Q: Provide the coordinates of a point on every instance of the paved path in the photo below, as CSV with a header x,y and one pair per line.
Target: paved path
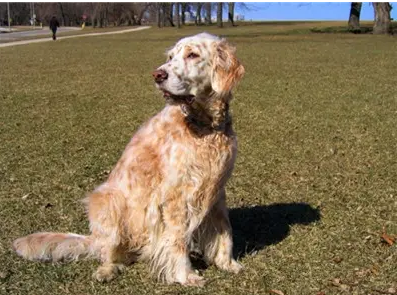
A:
x,y
32,33
65,37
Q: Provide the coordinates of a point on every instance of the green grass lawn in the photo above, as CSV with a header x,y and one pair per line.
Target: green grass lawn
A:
x,y
315,181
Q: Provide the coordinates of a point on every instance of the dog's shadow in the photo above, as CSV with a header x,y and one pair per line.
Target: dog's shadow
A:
x,y
260,226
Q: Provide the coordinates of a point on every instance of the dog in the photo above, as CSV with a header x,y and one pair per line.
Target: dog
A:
x,y
166,195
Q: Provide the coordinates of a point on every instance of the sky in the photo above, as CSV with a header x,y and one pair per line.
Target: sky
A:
x,y
307,11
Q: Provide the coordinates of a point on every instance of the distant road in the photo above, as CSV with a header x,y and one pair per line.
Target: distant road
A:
x,y
48,32
6,37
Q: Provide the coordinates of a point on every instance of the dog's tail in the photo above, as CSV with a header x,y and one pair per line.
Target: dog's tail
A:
x,y
53,247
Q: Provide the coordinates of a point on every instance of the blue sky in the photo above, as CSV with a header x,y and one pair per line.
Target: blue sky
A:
x,y
306,11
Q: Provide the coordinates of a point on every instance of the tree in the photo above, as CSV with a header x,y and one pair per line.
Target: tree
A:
x,y
158,14
197,20
219,15
184,7
178,17
231,12
140,9
170,7
62,13
382,17
19,13
208,13
354,18
163,12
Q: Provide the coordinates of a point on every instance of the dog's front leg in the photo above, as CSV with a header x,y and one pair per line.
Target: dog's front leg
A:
x,y
171,253
215,237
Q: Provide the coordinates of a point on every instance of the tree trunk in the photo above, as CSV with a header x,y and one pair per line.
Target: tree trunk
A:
x,y
163,17
183,16
105,16
382,17
354,18
158,15
198,14
178,16
170,7
208,13
141,14
131,18
231,12
63,14
219,15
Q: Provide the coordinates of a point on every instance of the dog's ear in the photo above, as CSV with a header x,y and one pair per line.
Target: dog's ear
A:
x,y
227,70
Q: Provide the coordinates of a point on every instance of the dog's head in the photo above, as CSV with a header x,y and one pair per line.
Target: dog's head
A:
x,y
197,67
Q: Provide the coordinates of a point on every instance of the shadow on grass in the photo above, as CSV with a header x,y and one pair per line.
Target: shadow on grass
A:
x,y
364,29
342,30
260,226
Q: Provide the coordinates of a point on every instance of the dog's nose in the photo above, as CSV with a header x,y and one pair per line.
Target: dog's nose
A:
x,y
159,76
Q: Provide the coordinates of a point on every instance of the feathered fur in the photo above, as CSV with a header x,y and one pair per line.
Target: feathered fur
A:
x,y
166,194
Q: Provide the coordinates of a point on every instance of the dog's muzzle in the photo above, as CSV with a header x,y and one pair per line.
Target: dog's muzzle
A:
x,y
159,76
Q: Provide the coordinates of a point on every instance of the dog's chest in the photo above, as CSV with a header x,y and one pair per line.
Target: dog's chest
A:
x,y
215,154
208,162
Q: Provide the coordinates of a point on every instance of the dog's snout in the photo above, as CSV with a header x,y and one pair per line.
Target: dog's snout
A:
x,y
159,76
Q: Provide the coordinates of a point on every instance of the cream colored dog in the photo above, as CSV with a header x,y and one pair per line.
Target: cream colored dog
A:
x,y
166,194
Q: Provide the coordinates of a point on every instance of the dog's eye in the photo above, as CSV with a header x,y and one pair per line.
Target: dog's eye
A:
x,y
170,58
192,55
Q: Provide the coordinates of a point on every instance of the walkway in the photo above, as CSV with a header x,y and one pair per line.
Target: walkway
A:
x,y
23,42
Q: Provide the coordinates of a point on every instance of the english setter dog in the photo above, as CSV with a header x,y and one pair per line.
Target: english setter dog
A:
x,y
166,195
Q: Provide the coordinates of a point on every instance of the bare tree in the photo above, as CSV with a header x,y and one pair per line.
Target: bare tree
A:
x,y
208,13
382,17
100,14
70,14
354,18
163,12
62,13
20,13
142,9
158,14
136,11
178,17
230,12
197,20
219,14
45,11
184,7
169,7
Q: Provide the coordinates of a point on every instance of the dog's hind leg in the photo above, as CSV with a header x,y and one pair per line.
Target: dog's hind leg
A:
x,y
106,208
215,237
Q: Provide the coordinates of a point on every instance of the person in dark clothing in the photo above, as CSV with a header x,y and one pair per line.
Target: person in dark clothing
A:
x,y
54,25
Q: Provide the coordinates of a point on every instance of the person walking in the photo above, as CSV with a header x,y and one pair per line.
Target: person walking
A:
x,y
54,25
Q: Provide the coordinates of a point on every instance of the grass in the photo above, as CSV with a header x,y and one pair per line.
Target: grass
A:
x,y
366,27
315,180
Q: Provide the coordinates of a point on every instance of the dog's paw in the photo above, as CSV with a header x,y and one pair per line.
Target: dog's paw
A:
x,y
235,267
231,266
108,272
194,280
